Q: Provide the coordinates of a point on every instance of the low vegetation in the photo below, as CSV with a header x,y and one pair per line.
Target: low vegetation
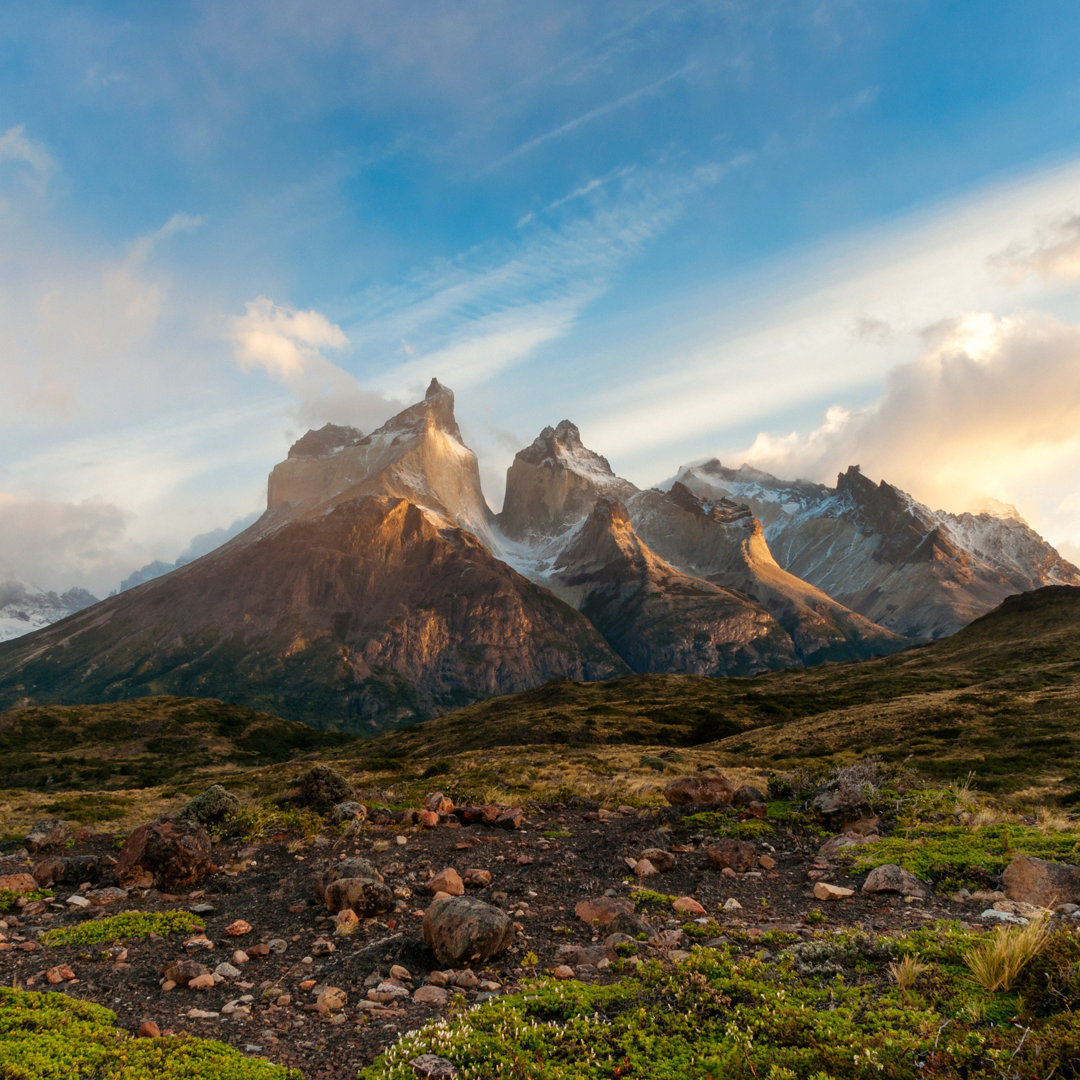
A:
x,y
55,1037
846,1005
128,924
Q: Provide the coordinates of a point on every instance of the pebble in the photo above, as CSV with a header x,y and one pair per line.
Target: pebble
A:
x,y
431,995
227,971
77,901
148,1030
687,905
238,928
333,997
202,1014
201,982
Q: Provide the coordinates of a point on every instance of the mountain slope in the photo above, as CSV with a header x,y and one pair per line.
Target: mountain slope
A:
x,y
360,600
553,486
655,617
878,551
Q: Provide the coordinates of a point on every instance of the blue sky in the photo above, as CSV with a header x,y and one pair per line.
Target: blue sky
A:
x,y
797,233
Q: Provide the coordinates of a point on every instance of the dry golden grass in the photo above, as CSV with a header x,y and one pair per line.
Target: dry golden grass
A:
x,y
996,962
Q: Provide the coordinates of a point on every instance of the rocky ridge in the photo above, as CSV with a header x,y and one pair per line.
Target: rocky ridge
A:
x,y
875,549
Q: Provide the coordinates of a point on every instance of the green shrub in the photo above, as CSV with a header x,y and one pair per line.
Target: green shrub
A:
x,y
9,898
728,826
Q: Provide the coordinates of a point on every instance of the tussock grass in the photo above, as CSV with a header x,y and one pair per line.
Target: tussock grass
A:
x,y
995,963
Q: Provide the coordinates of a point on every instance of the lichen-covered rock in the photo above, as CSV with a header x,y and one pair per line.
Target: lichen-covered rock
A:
x,y
323,786
840,806
349,811
365,897
602,910
464,930
50,834
212,805
174,852
700,791
67,870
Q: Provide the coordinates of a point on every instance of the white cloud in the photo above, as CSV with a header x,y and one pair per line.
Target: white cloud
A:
x,y
287,345
17,147
283,341
57,545
1052,252
991,407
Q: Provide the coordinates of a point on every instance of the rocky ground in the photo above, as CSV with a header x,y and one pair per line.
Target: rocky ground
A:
x,y
283,981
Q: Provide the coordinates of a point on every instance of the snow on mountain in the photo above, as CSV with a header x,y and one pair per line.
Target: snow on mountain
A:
x,y
873,547
25,607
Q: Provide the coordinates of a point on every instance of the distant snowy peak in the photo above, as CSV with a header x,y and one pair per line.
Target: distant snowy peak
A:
x,y
25,607
875,548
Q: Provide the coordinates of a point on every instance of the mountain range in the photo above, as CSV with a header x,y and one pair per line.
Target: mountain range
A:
x,y
379,588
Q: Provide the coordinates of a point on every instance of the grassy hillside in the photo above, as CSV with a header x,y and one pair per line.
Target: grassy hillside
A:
x,y
1001,697
144,742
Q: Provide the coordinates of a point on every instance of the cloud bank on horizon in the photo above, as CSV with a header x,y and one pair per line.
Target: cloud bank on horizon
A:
x,y
802,234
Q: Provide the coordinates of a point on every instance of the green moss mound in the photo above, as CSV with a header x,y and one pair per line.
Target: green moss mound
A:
x,y
826,1009
54,1037
127,924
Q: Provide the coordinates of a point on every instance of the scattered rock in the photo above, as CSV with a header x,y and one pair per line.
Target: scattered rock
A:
x,y
602,911
687,905
77,900
67,870
109,895
840,805
476,878
438,803
365,898
332,998
47,835
1037,881
824,891
462,929
431,995
181,972
746,795
835,844
433,1067
202,982
562,971
643,868
446,881
700,791
60,973
731,904
238,928
148,1030
18,883
739,855
890,878
663,860
349,811
766,862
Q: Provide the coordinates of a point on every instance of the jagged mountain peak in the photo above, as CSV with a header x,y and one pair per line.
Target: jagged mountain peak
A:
x,y
554,483
418,454
328,439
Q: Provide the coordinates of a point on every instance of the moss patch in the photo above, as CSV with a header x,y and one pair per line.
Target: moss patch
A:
x,y
128,924
54,1037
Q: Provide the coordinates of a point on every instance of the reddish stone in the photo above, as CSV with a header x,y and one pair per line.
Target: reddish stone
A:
x,y
700,791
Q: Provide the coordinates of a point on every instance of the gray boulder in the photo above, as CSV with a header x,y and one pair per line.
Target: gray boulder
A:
x,y
463,930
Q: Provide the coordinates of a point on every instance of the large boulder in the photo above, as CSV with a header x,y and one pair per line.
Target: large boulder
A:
x,y
464,930
700,791
212,805
841,806
1045,884
171,853
890,878
322,786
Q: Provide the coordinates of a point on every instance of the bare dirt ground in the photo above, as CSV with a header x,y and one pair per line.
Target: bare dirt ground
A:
x,y
562,855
